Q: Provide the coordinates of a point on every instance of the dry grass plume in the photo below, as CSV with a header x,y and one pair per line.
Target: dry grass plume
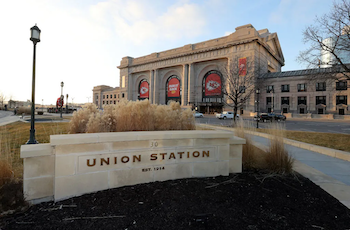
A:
x,y
132,116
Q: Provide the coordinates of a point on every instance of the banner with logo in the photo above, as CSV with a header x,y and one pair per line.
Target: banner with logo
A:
x,y
144,89
59,102
174,87
213,85
242,65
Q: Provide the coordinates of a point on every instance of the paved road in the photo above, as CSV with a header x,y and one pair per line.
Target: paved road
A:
x,y
7,118
332,126
5,113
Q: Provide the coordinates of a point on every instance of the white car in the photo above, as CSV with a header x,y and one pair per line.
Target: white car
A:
x,y
226,115
198,114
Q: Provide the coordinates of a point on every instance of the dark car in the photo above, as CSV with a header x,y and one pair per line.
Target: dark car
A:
x,y
280,117
266,117
272,117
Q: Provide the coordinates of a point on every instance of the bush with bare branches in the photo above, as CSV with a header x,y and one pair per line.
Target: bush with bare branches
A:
x,y
25,110
132,116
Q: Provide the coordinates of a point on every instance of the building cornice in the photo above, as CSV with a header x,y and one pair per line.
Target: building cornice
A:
x,y
183,54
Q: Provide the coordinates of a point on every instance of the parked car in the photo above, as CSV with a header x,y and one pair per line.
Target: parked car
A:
x,y
198,114
280,117
271,117
266,117
226,115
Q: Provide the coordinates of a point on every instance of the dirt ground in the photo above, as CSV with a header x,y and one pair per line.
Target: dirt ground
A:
x,y
250,200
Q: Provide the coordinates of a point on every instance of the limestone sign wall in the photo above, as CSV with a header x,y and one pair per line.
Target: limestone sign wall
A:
x,y
71,165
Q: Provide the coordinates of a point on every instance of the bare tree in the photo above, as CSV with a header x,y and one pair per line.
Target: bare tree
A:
x,y
329,40
2,100
239,79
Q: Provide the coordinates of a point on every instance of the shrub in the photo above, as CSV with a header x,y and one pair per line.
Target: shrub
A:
x,y
80,119
274,159
6,173
132,116
250,158
25,110
277,158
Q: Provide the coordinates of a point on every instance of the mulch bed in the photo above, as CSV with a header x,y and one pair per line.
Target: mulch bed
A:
x,y
250,200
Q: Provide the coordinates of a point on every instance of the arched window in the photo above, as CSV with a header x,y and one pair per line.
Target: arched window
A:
x,y
173,86
143,90
212,87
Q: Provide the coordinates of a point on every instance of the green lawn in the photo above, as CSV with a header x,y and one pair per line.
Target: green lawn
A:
x,y
14,135
329,140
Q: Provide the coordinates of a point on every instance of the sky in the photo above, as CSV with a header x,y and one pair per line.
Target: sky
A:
x,y
83,41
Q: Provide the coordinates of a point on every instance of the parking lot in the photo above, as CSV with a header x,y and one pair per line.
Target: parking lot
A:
x,y
312,125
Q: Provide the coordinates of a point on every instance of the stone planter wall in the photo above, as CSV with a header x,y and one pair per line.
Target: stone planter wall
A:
x,y
71,165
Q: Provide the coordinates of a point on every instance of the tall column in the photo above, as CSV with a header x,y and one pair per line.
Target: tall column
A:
x,y
229,72
100,100
151,87
156,87
130,87
184,81
191,82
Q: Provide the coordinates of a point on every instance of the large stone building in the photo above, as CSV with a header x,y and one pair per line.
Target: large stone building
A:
x,y
186,74
179,74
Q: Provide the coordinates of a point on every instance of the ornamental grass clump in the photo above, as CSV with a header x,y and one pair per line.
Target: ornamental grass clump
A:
x,y
6,173
277,158
80,119
25,110
132,116
250,157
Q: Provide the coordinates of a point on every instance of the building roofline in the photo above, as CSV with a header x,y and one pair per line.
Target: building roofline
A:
x,y
304,72
236,38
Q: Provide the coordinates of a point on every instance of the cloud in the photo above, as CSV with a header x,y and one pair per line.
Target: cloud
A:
x,y
138,22
228,33
82,41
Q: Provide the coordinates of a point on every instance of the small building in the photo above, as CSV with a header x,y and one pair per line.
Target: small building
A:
x,y
294,92
105,95
13,104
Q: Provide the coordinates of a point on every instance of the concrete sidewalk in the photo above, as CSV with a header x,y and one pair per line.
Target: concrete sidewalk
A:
x,y
330,173
9,119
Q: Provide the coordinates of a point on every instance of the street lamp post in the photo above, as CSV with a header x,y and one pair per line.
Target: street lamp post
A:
x,y
62,84
42,105
35,38
67,103
257,91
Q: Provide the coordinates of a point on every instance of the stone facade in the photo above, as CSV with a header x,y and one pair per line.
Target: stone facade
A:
x,y
105,95
71,165
190,64
294,92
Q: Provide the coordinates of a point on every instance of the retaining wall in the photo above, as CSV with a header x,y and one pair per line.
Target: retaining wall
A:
x,y
71,165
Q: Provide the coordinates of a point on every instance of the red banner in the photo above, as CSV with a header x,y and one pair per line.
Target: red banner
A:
x,y
59,102
213,85
144,89
174,88
242,65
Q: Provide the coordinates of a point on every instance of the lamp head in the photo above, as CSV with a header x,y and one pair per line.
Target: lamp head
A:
x,y
35,34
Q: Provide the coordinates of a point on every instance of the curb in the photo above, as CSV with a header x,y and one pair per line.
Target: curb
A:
x,y
343,155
